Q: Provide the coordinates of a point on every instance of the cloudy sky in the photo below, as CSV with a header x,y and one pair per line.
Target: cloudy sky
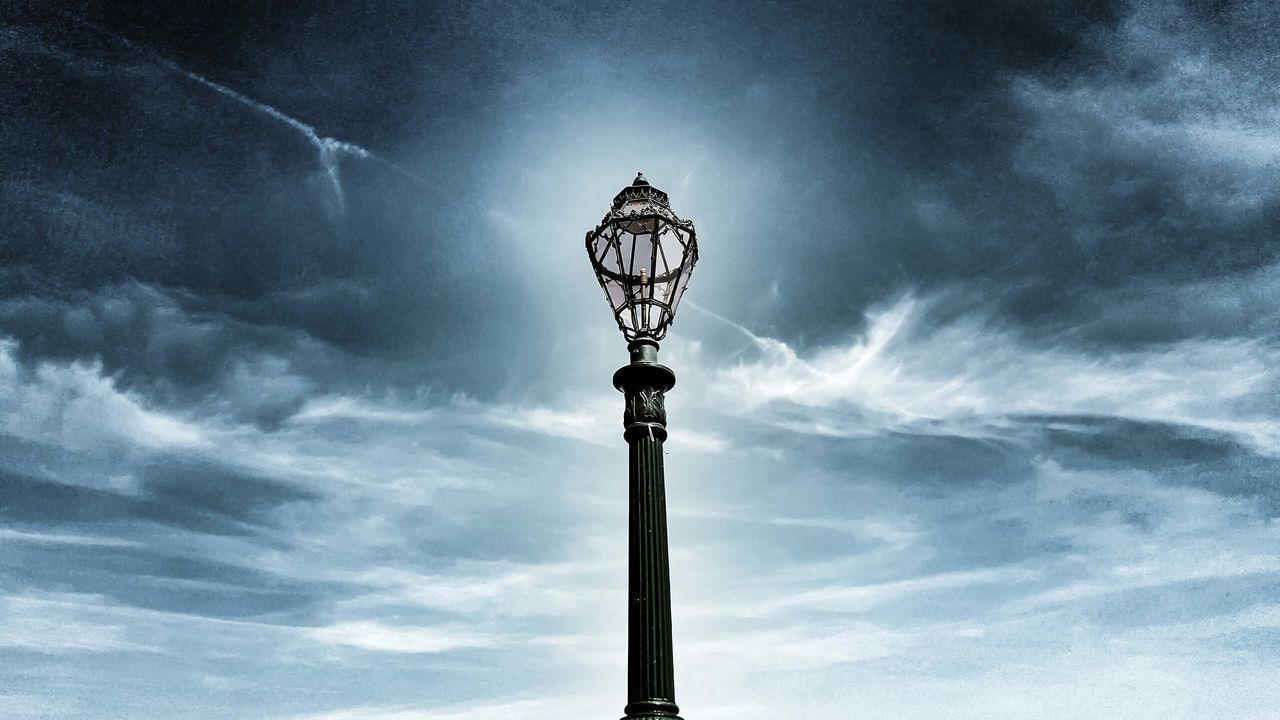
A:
x,y
305,402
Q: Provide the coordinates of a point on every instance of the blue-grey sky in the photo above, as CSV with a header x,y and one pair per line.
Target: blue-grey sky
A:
x,y
305,402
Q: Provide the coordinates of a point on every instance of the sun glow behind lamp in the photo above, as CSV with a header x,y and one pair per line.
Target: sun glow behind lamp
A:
x,y
643,254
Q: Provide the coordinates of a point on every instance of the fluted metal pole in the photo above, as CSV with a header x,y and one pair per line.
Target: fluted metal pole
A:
x,y
650,672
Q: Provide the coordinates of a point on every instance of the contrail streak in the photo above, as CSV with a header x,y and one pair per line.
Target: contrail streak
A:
x,y
689,175
330,150
764,344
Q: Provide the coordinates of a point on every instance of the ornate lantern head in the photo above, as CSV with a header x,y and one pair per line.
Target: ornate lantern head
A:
x,y
643,255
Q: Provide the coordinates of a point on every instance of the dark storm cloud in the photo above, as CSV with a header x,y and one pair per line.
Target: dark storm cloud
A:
x,y
240,213
896,146
125,169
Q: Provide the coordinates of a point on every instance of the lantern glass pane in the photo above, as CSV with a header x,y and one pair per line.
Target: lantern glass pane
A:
x,y
681,283
672,245
681,236
614,292
662,292
642,265
602,251
630,317
637,252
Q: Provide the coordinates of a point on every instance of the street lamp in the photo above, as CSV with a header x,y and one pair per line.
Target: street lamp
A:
x,y
643,255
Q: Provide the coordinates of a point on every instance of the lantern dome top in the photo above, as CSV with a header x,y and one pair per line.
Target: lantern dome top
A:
x,y
640,190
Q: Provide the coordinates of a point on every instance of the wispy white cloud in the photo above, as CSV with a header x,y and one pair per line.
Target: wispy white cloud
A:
x,y
329,408
378,637
57,626
488,590
81,409
798,648
893,530
862,597
39,707
590,420
584,422
508,709
65,539
910,373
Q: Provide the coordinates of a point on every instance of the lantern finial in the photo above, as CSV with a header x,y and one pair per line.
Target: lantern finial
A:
x,y
639,179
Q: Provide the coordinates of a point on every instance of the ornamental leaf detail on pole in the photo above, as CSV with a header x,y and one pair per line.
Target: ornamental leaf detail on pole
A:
x,y
651,408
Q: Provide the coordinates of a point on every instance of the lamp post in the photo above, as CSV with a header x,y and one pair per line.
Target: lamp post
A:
x,y
642,255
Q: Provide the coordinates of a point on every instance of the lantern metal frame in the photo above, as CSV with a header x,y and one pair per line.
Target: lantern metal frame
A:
x,y
642,211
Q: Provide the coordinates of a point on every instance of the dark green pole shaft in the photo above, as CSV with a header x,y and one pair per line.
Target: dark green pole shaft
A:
x,y
650,672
